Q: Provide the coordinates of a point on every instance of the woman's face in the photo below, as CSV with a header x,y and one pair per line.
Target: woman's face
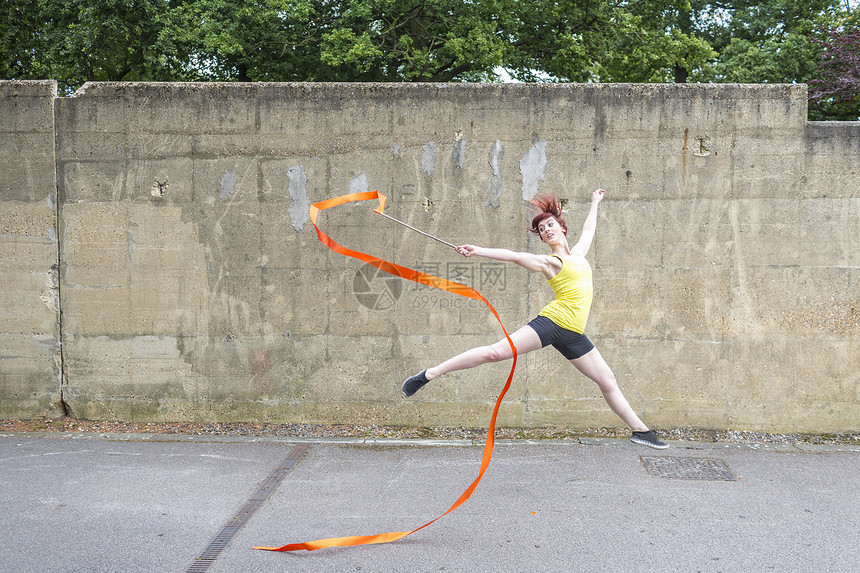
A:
x,y
550,230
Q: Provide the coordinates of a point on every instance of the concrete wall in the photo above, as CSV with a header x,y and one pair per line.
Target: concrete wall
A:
x,y
30,360
193,287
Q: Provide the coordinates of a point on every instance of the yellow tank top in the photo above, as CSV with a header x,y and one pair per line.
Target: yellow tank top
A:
x,y
573,293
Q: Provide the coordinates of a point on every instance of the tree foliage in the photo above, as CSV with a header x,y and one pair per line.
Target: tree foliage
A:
x,y
769,42
657,41
416,40
835,91
238,40
78,40
422,40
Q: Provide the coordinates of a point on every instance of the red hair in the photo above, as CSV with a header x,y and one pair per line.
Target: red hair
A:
x,y
546,206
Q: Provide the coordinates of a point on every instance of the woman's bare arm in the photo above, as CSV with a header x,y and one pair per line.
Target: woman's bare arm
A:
x,y
583,245
533,262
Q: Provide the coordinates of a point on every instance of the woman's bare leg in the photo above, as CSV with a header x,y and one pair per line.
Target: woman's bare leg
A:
x,y
595,367
525,340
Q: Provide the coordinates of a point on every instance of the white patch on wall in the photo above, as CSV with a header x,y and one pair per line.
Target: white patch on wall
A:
x,y
300,207
359,184
228,181
458,153
532,168
494,189
50,295
428,160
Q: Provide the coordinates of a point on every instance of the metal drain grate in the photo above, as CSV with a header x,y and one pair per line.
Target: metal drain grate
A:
x,y
223,538
706,469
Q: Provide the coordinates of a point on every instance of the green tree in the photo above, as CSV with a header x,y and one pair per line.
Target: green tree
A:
x,y
670,40
558,39
19,23
751,41
308,40
342,40
767,42
417,40
239,40
74,41
657,41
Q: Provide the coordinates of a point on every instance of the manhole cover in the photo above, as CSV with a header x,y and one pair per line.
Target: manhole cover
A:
x,y
688,468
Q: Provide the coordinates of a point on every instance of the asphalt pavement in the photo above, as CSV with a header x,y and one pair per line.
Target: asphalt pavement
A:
x,y
150,503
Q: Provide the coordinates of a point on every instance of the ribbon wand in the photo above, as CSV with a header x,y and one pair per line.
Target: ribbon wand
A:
x,y
424,279
414,229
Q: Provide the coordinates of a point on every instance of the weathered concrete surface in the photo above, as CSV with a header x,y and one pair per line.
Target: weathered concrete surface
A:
x,y
142,503
30,362
193,286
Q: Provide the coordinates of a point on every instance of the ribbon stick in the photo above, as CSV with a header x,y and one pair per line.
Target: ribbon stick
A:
x,y
414,229
425,279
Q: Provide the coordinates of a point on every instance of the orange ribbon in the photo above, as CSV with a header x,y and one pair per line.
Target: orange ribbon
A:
x,y
426,279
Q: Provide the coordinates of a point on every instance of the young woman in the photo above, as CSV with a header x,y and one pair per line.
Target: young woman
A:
x,y
561,322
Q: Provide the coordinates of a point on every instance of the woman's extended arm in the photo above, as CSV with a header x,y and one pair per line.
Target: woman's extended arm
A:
x,y
583,245
530,261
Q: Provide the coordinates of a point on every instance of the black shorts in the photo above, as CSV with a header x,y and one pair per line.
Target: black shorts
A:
x,y
571,344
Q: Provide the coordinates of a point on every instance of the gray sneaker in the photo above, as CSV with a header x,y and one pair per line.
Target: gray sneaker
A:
x,y
649,439
414,383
